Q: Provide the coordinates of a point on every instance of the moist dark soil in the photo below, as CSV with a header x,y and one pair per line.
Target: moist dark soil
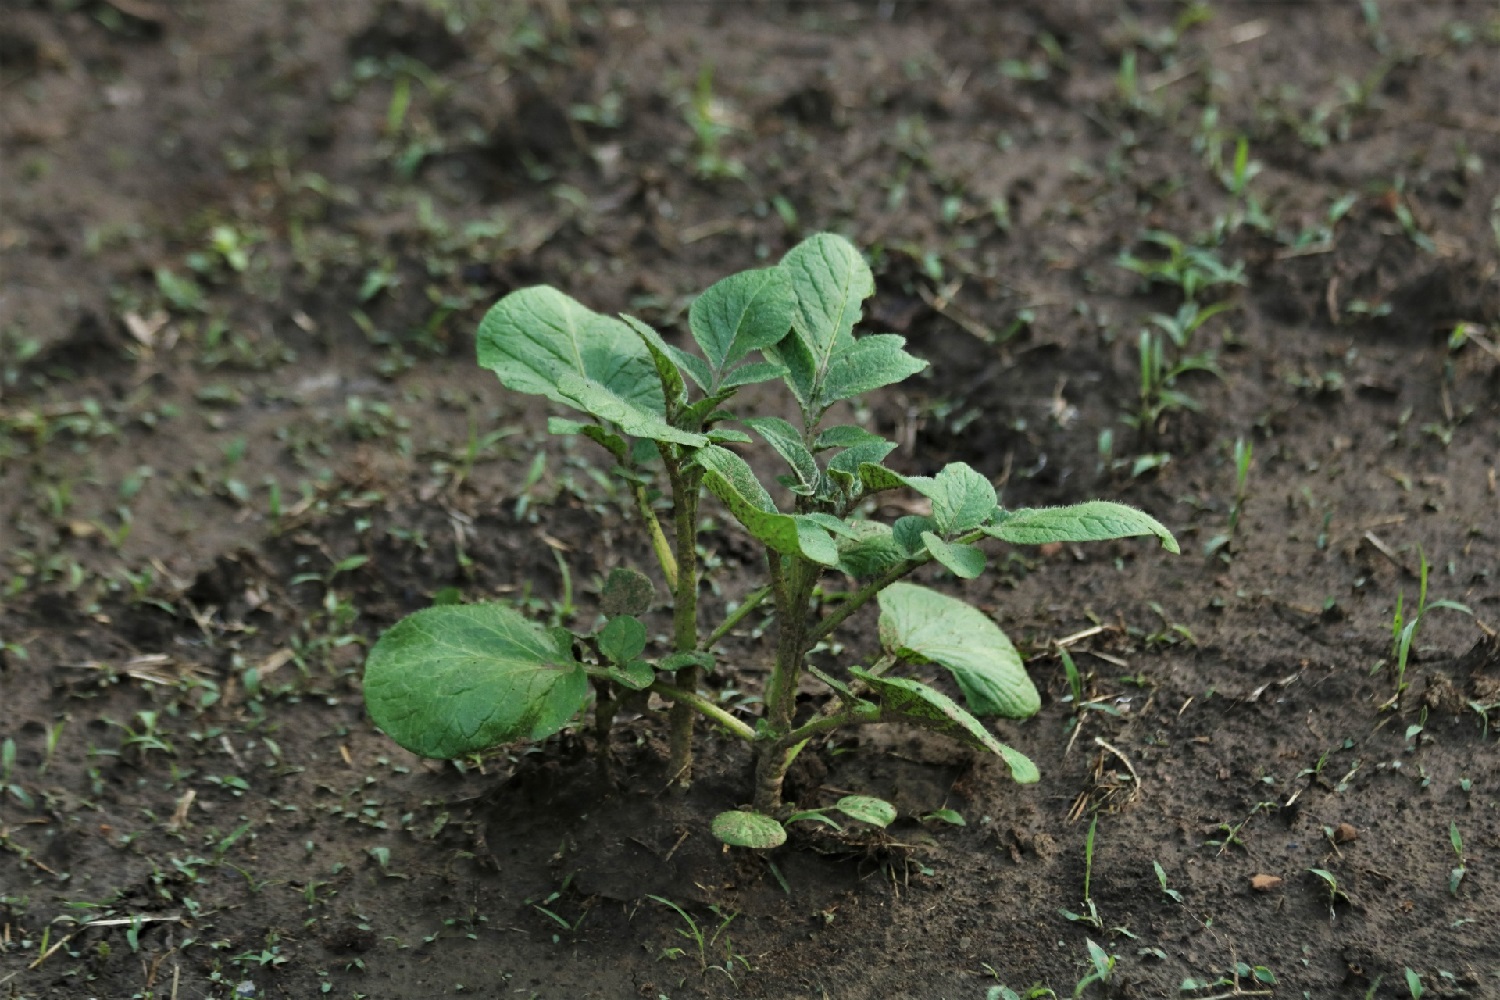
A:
x,y
245,248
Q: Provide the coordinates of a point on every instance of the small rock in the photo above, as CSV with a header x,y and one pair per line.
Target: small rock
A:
x,y
1265,883
1345,833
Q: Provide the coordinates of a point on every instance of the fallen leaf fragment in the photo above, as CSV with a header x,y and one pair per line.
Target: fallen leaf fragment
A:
x,y
1265,883
1345,833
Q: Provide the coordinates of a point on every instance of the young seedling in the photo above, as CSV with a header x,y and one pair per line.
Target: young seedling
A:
x,y
1456,876
459,679
703,941
1243,454
1331,883
1103,967
1404,633
1091,917
1161,878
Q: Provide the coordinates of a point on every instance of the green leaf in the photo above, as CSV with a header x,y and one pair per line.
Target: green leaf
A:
x,y
928,627
672,385
830,279
1094,521
728,435
626,592
748,829
950,816
696,368
637,675
787,442
867,809
868,549
462,678
865,364
875,477
844,436
835,526
919,705
742,313
728,477
814,815
800,366
749,374
693,658
963,561
622,639
844,468
534,336
908,531
962,499
595,398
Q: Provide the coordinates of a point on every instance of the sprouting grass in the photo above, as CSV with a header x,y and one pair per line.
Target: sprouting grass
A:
x,y
1091,914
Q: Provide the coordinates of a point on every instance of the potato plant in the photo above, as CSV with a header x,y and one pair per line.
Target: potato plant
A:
x,y
458,679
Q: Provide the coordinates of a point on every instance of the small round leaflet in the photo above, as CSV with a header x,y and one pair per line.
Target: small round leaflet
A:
x,y
748,829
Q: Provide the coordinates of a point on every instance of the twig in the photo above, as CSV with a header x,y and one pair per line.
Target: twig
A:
x,y
1136,778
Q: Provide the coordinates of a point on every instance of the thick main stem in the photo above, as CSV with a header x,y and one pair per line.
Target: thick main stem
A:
x,y
684,616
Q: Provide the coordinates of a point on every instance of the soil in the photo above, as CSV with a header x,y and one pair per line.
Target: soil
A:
x,y
245,247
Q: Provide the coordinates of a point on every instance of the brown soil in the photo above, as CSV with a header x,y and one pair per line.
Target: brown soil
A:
x,y
245,247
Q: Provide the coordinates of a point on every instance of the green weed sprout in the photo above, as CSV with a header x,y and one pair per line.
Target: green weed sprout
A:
x,y
457,679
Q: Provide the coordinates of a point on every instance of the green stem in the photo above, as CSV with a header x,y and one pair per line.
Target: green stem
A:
x,y
861,597
697,703
775,759
860,715
792,641
684,614
752,600
658,538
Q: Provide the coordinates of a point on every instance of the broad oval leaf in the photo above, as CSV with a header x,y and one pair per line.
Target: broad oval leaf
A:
x,y
742,313
868,549
622,639
751,373
916,704
928,627
534,336
867,809
748,829
728,477
627,591
462,678
962,499
787,442
672,385
597,399
865,364
830,279
962,560
1094,521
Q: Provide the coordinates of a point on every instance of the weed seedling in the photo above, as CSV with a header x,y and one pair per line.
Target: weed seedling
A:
x,y
1091,917
1161,878
1404,633
1456,876
703,942
1243,453
458,679
1335,894
1103,967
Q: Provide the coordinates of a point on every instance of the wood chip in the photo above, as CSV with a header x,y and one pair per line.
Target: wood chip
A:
x,y
1265,883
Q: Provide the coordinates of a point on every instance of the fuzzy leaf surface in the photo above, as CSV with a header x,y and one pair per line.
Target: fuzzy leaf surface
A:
x,y
867,809
742,313
596,398
919,705
830,280
962,560
534,336
867,363
748,829
728,477
928,627
868,550
462,678
622,639
1094,521
786,440
662,359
